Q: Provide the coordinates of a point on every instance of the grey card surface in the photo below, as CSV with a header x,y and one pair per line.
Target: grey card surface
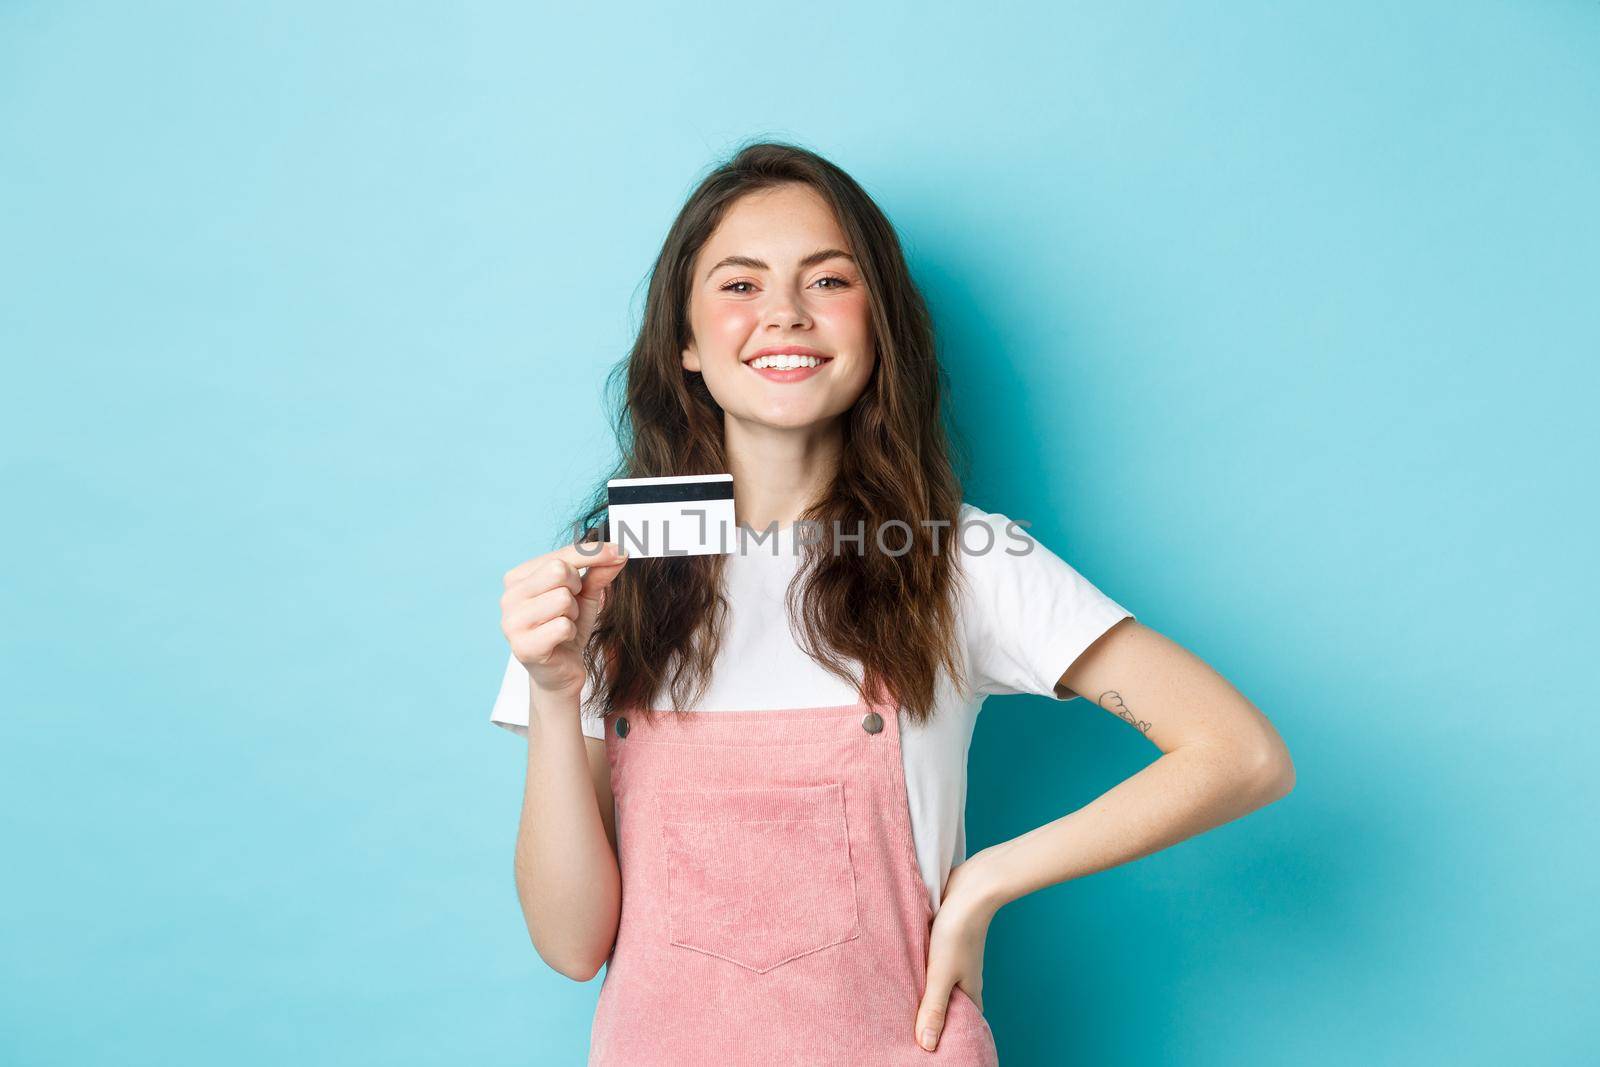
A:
x,y
690,515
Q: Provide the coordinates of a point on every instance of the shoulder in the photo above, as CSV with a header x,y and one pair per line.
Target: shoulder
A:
x,y
990,547
998,554
1025,611
980,531
988,576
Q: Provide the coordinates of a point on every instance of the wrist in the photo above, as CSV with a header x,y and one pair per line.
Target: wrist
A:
x,y
545,706
987,887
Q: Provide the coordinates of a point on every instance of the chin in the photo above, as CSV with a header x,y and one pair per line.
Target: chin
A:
x,y
786,420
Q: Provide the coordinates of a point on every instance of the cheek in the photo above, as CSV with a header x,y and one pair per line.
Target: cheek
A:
x,y
730,322
846,319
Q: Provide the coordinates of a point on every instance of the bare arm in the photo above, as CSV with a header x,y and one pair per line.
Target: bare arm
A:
x,y
1220,759
568,881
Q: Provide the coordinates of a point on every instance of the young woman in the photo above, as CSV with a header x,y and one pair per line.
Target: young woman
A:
x,y
747,772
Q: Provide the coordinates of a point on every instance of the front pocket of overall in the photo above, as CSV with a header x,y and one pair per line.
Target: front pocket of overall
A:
x,y
758,877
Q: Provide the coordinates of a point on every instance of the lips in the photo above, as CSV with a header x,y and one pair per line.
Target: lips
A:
x,y
786,375
786,350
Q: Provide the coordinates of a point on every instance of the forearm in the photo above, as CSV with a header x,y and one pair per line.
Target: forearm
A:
x,y
1182,793
566,872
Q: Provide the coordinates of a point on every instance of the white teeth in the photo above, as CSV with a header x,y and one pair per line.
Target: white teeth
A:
x,y
784,362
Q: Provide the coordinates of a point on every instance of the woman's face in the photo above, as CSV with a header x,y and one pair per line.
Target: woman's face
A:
x,y
777,275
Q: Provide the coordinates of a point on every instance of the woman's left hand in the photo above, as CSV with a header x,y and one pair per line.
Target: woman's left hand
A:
x,y
955,949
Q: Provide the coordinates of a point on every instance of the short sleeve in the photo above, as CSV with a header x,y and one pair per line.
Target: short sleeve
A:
x,y
511,704
1028,614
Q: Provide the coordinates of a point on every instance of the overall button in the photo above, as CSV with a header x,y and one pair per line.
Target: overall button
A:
x,y
872,722
622,726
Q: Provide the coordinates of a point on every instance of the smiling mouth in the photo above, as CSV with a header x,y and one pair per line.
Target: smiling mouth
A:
x,y
788,368
786,362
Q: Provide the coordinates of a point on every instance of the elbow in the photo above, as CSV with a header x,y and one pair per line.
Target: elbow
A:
x,y
584,973
1261,770
575,968
1269,771
569,958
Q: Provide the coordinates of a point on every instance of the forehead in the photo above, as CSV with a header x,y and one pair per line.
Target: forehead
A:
x,y
781,223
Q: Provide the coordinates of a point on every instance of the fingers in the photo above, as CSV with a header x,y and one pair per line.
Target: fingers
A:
x,y
574,556
536,627
554,569
538,644
547,603
550,574
550,604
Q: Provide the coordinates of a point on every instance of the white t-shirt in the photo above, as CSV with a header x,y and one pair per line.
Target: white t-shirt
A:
x,y
1024,616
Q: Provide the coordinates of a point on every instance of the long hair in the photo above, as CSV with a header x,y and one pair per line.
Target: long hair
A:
x,y
661,620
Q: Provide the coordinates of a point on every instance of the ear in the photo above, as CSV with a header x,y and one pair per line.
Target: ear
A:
x,y
691,358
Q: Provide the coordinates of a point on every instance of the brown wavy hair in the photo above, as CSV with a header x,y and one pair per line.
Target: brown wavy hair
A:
x,y
893,615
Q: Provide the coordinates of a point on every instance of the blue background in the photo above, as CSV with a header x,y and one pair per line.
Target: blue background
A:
x,y
1278,321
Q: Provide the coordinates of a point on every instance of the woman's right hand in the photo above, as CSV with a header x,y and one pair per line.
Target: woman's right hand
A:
x,y
548,610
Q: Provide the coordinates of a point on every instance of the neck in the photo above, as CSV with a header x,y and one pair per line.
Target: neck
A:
x,y
777,472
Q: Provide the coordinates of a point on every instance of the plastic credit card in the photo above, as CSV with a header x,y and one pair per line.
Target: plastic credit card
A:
x,y
689,515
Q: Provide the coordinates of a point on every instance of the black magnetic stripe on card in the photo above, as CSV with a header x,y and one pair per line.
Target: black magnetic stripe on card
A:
x,y
617,495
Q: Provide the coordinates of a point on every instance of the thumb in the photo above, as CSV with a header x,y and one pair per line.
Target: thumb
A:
x,y
930,1015
596,578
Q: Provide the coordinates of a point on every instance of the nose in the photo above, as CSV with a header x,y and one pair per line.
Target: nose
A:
x,y
785,311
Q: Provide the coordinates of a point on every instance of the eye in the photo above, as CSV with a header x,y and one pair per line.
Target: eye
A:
x,y
733,287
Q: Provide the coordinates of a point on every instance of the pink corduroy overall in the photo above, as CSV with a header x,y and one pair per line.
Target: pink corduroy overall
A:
x,y
773,913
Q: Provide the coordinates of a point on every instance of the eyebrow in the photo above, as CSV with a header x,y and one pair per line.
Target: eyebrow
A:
x,y
752,263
